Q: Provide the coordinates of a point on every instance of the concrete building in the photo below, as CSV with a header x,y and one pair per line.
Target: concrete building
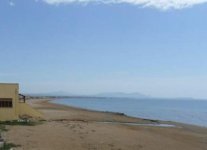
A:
x,y
13,105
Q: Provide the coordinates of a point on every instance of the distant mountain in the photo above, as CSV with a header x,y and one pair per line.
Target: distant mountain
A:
x,y
122,95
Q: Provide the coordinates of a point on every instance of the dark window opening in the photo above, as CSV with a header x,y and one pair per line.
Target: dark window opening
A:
x,y
6,103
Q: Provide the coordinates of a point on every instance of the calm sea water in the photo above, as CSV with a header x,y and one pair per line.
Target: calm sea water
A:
x,y
184,111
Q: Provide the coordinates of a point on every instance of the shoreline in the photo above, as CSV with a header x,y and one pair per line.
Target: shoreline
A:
x,y
67,127
49,103
175,123
118,116
150,122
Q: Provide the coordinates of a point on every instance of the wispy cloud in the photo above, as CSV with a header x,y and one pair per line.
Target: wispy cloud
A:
x,y
160,4
12,4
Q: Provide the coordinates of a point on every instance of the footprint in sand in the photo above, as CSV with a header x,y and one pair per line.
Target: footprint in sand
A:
x,y
111,145
140,146
82,137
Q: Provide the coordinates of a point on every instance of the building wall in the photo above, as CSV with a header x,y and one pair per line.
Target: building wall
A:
x,y
9,91
18,109
26,110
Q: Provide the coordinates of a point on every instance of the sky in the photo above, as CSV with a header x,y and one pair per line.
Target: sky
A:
x,y
155,47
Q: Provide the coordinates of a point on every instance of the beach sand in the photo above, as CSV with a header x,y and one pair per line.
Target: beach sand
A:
x,y
69,128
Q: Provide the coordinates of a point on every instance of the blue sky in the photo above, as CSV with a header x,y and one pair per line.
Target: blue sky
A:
x,y
93,47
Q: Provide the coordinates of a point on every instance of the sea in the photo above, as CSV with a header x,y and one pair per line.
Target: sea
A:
x,y
184,111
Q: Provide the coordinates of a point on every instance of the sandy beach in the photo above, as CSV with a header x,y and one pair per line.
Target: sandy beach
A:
x,y
69,128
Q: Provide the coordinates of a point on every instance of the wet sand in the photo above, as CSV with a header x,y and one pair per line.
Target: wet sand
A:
x,y
69,128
